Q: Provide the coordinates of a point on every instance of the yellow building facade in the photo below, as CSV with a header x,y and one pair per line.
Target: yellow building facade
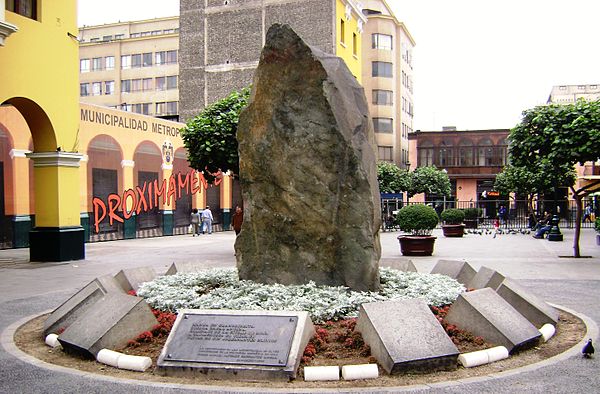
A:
x,y
349,26
133,178
47,30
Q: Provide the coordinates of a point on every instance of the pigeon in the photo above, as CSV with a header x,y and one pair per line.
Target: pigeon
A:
x,y
588,349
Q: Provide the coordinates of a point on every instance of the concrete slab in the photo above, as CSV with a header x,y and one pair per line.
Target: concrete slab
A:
x,y
486,277
245,345
400,264
536,310
456,269
75,306
484,313
185,267
405,336
132,278
110,323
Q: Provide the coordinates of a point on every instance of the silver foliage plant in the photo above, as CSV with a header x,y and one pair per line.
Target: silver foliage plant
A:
x,y
221,289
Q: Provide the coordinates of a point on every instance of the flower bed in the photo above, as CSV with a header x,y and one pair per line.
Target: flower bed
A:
x,y
221,289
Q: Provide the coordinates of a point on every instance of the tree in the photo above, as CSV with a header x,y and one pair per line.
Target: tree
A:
x,y
210,137
556,137
529,181
428,180
391,178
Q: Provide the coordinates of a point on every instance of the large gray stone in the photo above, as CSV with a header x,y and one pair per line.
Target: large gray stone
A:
x,y
484,313
486,277
307,171
404,336
68,312
400,264
109,324
456,269
245,345
536,310
132,278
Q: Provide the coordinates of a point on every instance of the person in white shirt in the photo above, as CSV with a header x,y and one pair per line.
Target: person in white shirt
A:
x,y
207,219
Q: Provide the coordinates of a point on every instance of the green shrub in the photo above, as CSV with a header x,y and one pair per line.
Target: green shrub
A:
x,y
418,219
472,213
453,216
597,224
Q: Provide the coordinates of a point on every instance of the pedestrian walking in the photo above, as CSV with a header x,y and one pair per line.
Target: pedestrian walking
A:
x,y
195,222
237,219
207,219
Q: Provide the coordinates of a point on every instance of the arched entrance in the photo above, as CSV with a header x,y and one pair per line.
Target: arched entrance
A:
x,y
148,171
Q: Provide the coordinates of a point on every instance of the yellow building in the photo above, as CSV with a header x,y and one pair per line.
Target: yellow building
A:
x,y
133,178
46,30
349,31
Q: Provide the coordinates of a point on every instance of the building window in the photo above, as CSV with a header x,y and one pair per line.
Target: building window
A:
x,y
385,153
172,82
84,89
136,60
106,38
125,62
26,8
354,44
147,84
96,88
381,41
382,69
84,65
135,35
342,32
383,125
165,57
160,83
425,154
126,107
142,108
125,85
383,97
147,59
109,87
136,85
168,31
97,64
119,36
109,63
167,108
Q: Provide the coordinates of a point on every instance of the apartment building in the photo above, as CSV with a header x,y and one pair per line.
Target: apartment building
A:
x,y
132,66
388,80
221,41
564,94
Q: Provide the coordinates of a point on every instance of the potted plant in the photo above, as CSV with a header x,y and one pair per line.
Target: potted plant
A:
x,y
453,222
471,217
418,220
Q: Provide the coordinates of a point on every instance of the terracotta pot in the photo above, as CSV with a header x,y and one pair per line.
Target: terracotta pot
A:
x,y
453,230
413,245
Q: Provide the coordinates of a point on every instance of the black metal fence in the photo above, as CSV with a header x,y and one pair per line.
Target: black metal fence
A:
x,y
517,214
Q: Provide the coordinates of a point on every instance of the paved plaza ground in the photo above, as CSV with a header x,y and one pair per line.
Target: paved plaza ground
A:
x,y
542,266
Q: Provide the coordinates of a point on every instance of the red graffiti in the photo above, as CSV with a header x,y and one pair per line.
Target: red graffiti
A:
x,y
147,197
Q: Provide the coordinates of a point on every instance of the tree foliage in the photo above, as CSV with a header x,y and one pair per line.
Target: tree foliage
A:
x,y
428,180
210,137
551,139
532,180
391,178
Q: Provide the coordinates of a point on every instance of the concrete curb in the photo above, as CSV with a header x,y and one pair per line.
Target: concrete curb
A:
x,y
7,342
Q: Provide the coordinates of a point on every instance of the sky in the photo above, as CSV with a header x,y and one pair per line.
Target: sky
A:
x,y
477,64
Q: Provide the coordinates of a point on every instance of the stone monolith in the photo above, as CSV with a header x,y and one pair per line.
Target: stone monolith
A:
x,y
307,171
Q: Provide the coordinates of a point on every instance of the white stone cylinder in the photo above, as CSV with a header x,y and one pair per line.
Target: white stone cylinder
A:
x,y
109,357
497,353
322,373
52,340
474,359
547,331
360,371
134,363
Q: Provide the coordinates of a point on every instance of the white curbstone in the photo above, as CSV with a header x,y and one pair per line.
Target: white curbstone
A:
x,y
108,357
134,363
547,331
52,340
474,359
321,373
497,353
360,371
